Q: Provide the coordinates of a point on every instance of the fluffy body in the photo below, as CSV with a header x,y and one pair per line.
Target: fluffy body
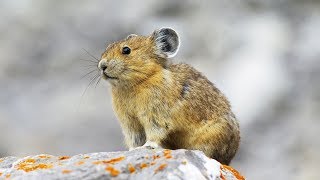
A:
x,y
168,105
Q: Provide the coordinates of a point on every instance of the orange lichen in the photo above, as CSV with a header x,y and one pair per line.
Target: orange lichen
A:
x,y
113,172
66,171
1,160
147,157
222,177
8,176
31,167
86,157
114,160
143,165
96,162
1,174
80,163
64,157
30,161
152,163
234,172
161,167
167,153
131,168
111,161
156,157
44,156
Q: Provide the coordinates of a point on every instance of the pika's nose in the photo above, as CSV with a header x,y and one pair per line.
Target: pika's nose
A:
x,y
102,66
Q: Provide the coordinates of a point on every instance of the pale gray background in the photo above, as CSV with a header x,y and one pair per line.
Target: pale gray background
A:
x,y
263,54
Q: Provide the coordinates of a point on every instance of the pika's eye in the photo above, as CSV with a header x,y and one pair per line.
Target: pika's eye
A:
x,y
126,50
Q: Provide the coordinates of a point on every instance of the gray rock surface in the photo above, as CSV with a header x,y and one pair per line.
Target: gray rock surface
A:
x,y
136,164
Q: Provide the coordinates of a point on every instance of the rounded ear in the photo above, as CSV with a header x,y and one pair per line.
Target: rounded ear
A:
x,y
167,42
130,36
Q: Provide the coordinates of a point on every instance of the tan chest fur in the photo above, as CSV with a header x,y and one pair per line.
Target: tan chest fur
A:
x,y
148,104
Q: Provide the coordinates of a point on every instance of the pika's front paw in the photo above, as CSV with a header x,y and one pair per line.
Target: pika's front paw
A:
x,y
147,145
151,145
141,147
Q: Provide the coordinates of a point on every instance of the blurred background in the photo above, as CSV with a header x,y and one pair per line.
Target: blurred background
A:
x,y
263,54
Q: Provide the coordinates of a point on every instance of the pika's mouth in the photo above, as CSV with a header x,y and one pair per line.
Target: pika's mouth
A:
x,y
106,76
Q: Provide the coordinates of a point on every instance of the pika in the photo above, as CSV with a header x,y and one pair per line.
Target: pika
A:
x,y
160,104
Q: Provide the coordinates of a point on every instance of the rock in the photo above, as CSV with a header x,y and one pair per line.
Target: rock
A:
x,y
136,164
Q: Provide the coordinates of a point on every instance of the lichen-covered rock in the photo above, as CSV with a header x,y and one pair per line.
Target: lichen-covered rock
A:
x,y
136,164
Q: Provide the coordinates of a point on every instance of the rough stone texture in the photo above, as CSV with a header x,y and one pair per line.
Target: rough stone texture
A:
x,y
137,164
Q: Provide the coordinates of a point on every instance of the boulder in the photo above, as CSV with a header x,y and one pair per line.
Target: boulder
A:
x,y
137,164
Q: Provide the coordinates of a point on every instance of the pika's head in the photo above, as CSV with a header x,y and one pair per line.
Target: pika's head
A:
x,y
137,58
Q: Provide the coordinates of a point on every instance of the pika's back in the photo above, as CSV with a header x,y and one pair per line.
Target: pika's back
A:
x,y
201,94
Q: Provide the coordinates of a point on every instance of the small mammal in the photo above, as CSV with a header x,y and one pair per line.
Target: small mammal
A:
x,y
160,104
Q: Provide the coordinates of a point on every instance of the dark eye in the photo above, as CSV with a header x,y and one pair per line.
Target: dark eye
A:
x,y
126,50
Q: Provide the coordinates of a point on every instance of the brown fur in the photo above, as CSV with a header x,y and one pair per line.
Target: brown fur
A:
x,y
173,105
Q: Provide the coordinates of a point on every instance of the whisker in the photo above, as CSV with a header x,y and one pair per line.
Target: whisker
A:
x,y
86,60
91,81
88,67
87,87
91,55
88,73
98,81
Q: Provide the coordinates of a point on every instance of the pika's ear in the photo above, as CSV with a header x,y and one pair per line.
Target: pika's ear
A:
x,y
131,36
167,42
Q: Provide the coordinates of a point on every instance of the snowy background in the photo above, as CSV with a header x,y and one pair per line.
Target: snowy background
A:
x,y
263,54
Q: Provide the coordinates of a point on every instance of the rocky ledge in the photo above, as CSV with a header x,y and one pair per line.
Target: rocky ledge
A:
x,y
136,164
